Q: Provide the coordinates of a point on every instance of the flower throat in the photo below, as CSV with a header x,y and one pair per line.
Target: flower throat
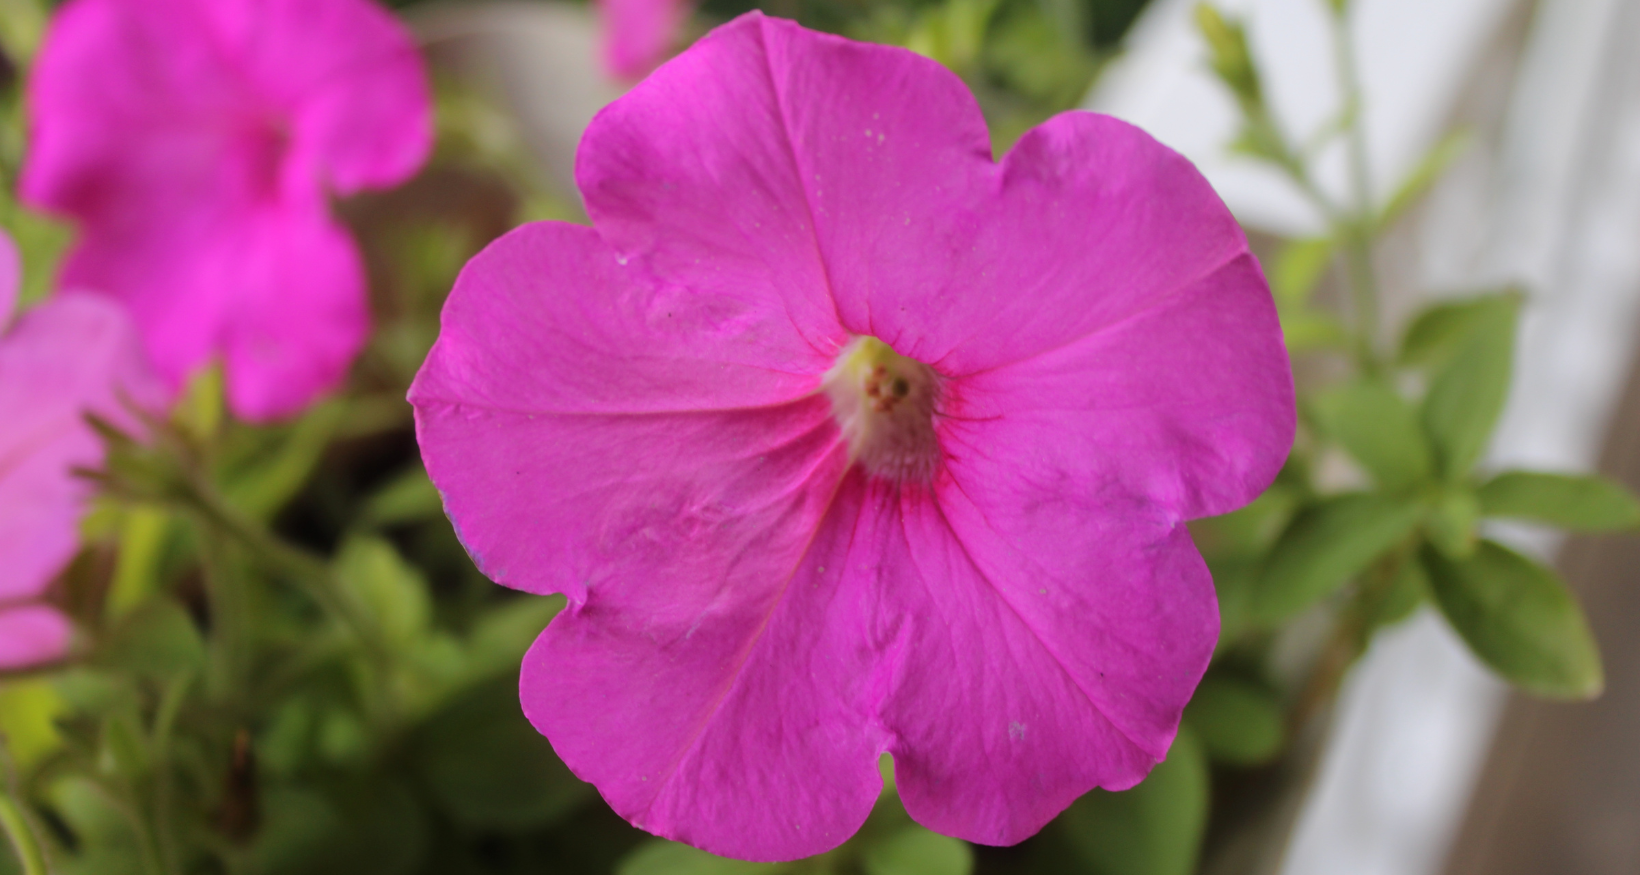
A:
x,y
884,404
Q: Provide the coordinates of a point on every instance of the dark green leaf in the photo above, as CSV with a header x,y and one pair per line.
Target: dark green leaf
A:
x,y
274,479
1406,592
1518,618
1379,429
1238,722
488,768
157,640
1328,544
1152,829
916,851
407,498
1568,501
661,857
1467,393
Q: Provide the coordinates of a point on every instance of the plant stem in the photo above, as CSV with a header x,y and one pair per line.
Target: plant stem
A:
x,y
1355,231
15,823
170,706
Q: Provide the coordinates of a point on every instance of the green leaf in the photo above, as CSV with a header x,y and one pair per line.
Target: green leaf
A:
x,y
1580,503
1466,394
1152,829
1249,531
1228,55
1434,163
1519,619
1328,544
501,635
1379,429
1450,525
407,498
660,857
1436,334
487,768
916,851
275,479
1239,723
28,711
1306,330
1406,592
390,590
158,641
1298,268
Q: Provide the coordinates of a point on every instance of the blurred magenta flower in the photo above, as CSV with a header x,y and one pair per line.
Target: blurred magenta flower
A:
x,y
638,34
66,357
196,142
842,438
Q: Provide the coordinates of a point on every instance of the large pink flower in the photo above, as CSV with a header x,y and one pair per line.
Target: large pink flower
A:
x,y
64,358
842,438
638,34
196,142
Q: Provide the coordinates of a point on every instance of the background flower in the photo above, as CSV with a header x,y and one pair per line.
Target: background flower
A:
x,y
638,34
65,358
196,143
633,416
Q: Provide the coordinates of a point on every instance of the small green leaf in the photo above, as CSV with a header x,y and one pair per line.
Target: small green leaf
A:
x,y
1379,429
1436,334
1580,503
1434,163
1249,531
661,857
274,479
1406,592
1451,522
1228,55
158,641
1306,330
916,851
488,768
1519,619
501,635
1239,723
1466,394
390,590
1298,269
1153,829
406,498
1328,544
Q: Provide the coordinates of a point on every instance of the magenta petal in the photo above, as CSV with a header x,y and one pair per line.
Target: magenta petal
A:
x,y
1006,682
64,358
31,635
722,694
582,388
196,144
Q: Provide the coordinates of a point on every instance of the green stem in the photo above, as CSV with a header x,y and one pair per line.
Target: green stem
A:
x,y
16,825
170,706
1356,231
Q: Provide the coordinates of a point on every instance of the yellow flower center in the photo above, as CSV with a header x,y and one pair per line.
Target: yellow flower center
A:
x,y
885,404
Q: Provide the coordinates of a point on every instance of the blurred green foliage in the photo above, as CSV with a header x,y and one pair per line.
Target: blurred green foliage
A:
x,y
291,666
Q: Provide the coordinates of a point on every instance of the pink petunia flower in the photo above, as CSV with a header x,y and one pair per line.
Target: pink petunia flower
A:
x,y
638,34
842,438
64,358
196,143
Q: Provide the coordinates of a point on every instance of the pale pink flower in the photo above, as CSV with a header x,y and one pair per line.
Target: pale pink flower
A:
x,y
196,143
65,358
842,438
639,34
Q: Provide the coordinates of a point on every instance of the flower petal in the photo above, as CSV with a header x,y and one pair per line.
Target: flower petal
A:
x,y
637,34
66,357
31,635
603,403
1186,407
997,728
722,696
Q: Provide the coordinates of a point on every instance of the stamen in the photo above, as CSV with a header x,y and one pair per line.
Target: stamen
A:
x,y
884,404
